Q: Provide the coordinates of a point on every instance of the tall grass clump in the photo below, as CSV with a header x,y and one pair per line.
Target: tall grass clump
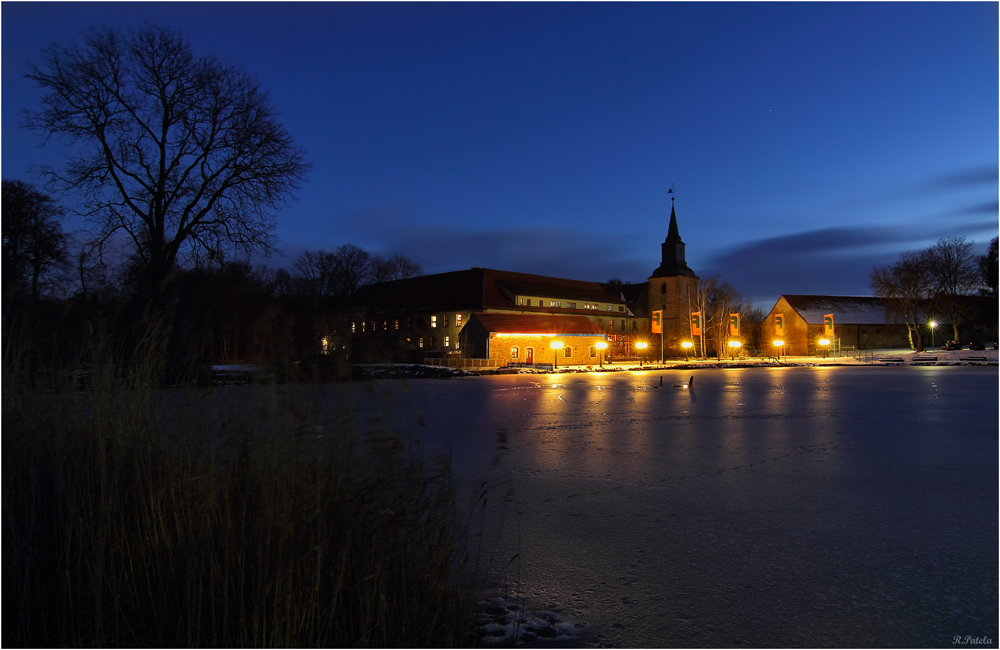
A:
x,y
141,516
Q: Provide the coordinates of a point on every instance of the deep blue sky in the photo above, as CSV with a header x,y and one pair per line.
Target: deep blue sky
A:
x,y
806,142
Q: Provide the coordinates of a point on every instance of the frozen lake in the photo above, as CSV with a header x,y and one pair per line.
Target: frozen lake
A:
x,y
767,507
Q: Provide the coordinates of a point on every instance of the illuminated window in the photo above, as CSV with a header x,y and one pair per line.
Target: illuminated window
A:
x,y
555,303
363,325
445,319
610,307
434,321
395,324
567,352
354,327
458,320
513,353
385,326
572,305
520,301
456,345
611,324
421,343
447,341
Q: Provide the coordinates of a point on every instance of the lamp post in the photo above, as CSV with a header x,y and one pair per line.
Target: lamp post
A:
x,y
734,349
687,345
641,346
602,346
824,343
778,343
933,324
556,346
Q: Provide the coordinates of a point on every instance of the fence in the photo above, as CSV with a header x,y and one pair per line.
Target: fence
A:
x,y
458,362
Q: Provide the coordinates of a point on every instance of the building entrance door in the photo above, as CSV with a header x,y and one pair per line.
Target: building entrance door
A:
x,y
529,355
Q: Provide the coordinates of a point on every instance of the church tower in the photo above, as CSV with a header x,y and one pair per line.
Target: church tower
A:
x,y
673,288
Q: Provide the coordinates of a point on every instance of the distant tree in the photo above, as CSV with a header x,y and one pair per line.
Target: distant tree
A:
x,y
352,269
954,272
905,287
313,274
183,154
33,240
615,282
394,267
988,269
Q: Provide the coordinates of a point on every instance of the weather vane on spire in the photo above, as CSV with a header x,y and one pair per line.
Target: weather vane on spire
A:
x,y
671,191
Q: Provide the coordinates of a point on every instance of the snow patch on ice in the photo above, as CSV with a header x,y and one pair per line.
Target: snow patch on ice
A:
x,y
504,619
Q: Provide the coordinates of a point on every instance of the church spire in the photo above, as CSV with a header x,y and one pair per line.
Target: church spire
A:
x,y
672,250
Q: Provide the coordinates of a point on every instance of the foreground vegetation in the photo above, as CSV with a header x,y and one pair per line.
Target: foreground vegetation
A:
x,y
134,516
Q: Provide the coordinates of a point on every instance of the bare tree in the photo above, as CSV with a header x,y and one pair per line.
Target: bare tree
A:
x,y
313,274
33,240
904,285
954,274
352,269
394,267
180,153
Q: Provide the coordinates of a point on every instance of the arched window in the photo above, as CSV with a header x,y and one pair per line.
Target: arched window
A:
x,y
568,352
513,353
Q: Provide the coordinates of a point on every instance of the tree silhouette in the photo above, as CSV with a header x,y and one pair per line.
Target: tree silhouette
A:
x,y
183,154
33,240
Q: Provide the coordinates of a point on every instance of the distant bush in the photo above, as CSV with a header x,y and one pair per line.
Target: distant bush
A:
x,y
135,516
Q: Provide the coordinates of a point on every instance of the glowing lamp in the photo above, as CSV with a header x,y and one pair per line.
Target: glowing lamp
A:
x,y
687,345
601,345
735,344
824,341
778,343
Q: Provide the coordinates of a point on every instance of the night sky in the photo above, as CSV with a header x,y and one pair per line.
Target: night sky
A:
x,y
805,142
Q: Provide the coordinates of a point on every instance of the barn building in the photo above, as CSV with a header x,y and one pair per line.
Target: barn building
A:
x,y
859,322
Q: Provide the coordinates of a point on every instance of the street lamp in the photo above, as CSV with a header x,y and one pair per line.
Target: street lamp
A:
x,y
824,343
602,346
556,346
734,349
933,324
641,346
687,345
778,343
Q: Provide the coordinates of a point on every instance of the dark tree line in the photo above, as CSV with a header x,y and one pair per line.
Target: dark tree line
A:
x,y
939,281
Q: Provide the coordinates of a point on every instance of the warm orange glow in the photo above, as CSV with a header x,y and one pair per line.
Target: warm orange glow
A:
x,y
556,345
601,345
779,343
687,345
824,341
524,334
735,344
641,345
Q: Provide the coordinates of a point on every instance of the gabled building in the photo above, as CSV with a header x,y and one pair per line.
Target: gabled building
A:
x,y
422,316
860,322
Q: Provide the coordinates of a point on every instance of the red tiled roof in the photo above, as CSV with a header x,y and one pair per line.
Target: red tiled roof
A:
x,y
475,289
537,324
